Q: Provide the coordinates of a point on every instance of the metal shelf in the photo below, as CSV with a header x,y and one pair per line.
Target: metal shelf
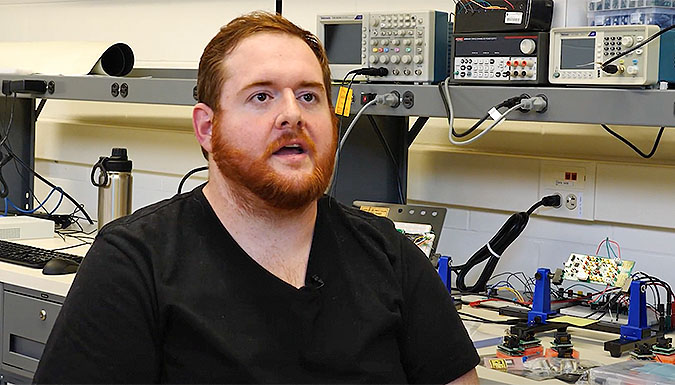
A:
x,y
145,89
639,107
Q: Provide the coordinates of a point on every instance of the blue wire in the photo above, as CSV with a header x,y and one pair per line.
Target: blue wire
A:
x,y
7,200
58,204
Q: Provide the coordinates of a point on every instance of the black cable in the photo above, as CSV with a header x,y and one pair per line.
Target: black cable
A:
x,y
493,250
333,187
188,175
632,146
4,143
488,321
654,36
384,143
508,103
48,183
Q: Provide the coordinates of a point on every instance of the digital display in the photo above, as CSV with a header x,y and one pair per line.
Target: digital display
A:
x,y
577,54
343,43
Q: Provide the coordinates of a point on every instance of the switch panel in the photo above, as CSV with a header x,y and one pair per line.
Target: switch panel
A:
x,y
574,182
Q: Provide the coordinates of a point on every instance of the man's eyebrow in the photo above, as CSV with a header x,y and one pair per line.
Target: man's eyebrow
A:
x,y
268,83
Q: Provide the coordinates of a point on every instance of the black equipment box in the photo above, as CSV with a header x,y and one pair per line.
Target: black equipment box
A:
x,y
503,16
513,58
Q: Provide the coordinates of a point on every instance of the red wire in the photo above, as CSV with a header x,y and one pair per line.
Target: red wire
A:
x,y
610,241
507,2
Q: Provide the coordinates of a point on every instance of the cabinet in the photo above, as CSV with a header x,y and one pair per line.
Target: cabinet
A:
x,y
27,319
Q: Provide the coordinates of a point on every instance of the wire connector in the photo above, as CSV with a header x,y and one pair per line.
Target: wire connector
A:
x,y
372,71
391,99
538,103
554,200
512,102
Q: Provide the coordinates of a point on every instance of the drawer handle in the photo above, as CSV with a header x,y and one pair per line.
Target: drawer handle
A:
x,y
43,314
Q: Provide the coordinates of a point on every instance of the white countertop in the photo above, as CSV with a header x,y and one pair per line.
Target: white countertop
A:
x,y
32,278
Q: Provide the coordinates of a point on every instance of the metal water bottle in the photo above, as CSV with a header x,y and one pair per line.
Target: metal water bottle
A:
x,y
114,186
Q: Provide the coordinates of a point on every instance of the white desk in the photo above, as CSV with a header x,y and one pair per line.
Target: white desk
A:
x,y
32,278
589,343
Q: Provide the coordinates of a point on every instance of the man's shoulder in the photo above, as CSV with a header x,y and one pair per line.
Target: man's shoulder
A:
x,y
168,212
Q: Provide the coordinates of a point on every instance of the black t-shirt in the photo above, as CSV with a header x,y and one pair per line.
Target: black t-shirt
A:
x,y
167,295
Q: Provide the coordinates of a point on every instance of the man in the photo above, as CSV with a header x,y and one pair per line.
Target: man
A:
x,y
256,276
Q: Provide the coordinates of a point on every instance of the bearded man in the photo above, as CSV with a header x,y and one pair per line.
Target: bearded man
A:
x,y
256,276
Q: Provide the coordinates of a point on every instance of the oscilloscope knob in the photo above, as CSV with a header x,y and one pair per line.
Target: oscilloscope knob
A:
x,y
527,46
627,41
373,59
406,59
632,70
384,59
375,22
395,59
418,59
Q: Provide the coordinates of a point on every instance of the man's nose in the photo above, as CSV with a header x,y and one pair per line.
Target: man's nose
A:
x,y
290,114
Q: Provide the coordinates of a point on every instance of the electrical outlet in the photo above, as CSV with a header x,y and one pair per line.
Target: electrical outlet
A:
x,y
574,182
571,201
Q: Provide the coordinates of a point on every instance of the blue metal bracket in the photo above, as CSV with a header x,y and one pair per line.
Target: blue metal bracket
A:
x,y
445,272
637,313
541,303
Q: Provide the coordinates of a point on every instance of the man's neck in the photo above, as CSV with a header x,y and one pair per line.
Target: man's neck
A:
x,y
279,240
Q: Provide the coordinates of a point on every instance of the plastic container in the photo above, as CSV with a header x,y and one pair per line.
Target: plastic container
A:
x,y
633,372
625,12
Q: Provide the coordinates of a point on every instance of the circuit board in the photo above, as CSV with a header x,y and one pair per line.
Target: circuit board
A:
x,y
600,270
420,234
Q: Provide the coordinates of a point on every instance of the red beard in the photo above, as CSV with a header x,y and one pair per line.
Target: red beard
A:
x,y
257,177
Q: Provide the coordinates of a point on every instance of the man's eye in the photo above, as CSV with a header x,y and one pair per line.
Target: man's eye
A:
x,y
261,97
308,97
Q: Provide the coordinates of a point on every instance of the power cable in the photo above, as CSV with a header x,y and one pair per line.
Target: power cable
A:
x,y
632,146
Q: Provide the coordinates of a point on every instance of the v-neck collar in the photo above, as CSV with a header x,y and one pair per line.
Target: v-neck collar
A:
x,y
319,251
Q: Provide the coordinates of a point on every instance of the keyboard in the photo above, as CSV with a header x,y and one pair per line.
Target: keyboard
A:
x,y
31,256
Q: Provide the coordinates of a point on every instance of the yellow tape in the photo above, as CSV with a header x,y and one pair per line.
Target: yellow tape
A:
x,y
340,107
379,211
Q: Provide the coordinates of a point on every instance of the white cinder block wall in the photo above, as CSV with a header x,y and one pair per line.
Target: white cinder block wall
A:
x,y
481,185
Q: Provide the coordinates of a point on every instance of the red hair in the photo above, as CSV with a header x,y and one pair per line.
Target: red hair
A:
x,y
212,73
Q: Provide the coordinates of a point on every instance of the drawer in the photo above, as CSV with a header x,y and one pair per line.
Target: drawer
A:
x,y
27,322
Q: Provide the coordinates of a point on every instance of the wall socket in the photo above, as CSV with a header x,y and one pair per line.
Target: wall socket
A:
x,y
574,182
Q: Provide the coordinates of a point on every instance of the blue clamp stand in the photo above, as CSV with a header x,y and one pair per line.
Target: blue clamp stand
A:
x,y
444,271
637,313
541,303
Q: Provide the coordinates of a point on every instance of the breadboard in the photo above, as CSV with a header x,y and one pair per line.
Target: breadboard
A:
x,y
600,270
420,234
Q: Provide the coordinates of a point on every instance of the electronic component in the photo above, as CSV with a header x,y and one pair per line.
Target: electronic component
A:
x,y
577,55
412,45
24,227
500,58
419,233
600,270
504,16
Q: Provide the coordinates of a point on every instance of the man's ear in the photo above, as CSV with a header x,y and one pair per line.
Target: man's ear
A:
x,y
202,122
